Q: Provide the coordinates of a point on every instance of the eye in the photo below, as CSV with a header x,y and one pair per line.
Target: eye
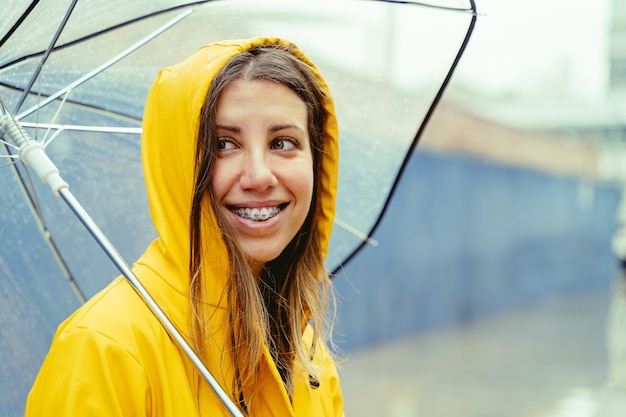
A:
x,y
284,144
225,144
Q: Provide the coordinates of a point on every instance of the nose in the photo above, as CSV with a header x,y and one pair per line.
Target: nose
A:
x,y
257,173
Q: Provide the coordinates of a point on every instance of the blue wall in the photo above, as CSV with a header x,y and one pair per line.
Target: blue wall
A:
x,y
463,238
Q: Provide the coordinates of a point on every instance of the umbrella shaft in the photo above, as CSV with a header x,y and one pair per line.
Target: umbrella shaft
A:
x,y
123,267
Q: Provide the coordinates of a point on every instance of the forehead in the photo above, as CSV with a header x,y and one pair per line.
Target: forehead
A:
x,y
260,100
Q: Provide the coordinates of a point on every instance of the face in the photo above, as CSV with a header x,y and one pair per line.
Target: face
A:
x,y
263,174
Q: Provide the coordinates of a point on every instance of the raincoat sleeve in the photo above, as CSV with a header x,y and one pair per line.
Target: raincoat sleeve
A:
x,y
87,374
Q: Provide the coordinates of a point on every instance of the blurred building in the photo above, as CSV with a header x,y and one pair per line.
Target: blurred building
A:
x,y
615,134
617,49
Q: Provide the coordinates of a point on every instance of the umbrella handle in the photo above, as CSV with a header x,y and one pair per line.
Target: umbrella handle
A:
x,y
33,154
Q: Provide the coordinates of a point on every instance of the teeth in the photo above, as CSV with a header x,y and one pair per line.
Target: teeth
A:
x,y
257,214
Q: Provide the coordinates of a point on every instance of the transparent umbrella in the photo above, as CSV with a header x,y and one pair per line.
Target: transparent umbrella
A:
x,y
75,76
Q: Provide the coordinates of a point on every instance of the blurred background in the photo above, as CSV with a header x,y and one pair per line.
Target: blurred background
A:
x,y
508,298
497,286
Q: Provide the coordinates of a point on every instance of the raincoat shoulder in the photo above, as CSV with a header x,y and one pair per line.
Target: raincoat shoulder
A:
x,y
112,358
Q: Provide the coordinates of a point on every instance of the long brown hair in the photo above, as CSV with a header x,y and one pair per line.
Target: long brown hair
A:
x,y
294,288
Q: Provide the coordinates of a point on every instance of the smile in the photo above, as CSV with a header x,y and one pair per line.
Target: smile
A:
x,y
257,214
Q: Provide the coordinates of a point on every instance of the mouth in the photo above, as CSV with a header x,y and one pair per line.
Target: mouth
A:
x,y
257,214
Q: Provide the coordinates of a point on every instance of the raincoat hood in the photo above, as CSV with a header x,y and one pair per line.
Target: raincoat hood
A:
x,y
170,127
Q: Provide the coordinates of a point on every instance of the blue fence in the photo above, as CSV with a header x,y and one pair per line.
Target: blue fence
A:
x,y
464,238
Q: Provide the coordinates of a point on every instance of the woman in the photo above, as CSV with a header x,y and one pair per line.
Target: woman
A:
x,y
240,160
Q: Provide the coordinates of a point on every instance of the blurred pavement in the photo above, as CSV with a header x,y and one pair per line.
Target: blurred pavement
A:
x,y
562,357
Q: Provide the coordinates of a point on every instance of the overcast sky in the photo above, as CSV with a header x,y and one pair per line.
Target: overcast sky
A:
x,y
537,48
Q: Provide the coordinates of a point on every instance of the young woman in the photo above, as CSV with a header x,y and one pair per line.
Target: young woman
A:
x,y
240,160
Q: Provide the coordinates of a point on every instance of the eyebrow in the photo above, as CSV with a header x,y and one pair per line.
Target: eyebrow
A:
x,y
272,128
233,129
276,128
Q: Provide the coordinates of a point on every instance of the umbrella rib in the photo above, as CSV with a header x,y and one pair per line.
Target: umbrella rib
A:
x,y
433,6
18,22
46,54
356,232
106,65
12,146
45,140
417,137
84,128
92,107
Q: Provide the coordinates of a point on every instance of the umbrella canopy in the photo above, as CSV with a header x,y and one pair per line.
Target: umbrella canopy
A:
x,y
386,64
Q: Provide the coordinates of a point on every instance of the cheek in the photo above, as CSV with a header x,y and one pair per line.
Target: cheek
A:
x,y
311,186
219,181
305,183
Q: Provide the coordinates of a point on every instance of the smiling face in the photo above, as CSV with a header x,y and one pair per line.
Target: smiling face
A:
x,y
263,175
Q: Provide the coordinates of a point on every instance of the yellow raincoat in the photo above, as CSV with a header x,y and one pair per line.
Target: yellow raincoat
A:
x,y
112,357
